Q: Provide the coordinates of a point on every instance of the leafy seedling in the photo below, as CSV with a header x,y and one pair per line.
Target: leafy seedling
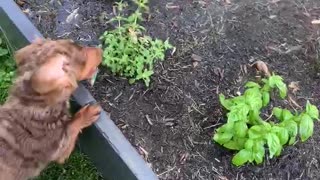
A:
x,y
127,51
247,133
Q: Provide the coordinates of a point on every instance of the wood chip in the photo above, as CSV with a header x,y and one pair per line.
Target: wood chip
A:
x,y
196,57
172,6
317,21
143,152
26,11
184,158
227,1
195,64
169,124
20,2
73,16
294,86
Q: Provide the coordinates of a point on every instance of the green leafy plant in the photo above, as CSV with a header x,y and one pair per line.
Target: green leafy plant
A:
x,y
250,135
7,69
127,51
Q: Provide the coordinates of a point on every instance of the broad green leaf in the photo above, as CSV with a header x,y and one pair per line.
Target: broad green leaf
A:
x,y
306,127
266,87
292,140
243,111
312,110
222,138
265,98
238,100
233,145
254,117
292,128
256,132
253,98
273,144
251,84
278,113
274,80
241,157
286,115
258,151
228,127
240,141
266,126
249,144
282,134
252,92
225,102
232,116
240,128
283,89
238,112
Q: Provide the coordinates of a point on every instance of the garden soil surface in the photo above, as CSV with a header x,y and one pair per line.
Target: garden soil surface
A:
x,y
171,123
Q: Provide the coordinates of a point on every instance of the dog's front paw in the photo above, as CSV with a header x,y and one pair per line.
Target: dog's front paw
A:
x,y
87,115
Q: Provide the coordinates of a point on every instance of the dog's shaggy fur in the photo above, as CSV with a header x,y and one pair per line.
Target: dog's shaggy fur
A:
x,y
35,125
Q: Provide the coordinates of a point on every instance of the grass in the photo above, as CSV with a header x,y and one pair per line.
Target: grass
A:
x,y
7,67
78,166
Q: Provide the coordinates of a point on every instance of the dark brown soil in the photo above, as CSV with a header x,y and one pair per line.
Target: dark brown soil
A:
x,y
172,122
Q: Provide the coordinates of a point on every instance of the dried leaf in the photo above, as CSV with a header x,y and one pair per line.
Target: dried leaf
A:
x,y
262,67
20,2
294,86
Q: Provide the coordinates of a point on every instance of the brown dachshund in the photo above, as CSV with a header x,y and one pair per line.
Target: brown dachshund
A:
x,y
35,125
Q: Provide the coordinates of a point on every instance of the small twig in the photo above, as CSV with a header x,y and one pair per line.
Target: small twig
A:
x,y
117,96
214,125
149,120
132,95
165,172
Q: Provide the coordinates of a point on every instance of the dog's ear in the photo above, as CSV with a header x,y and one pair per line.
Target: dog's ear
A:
x,y
93,59
53,80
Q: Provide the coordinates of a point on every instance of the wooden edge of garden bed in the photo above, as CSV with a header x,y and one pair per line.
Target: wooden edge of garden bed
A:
x,y
106,146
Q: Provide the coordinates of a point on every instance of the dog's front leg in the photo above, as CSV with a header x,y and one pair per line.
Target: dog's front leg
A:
x,y
82,119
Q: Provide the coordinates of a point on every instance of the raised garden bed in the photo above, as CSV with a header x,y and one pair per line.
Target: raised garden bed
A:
x,y
112,154
171,123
